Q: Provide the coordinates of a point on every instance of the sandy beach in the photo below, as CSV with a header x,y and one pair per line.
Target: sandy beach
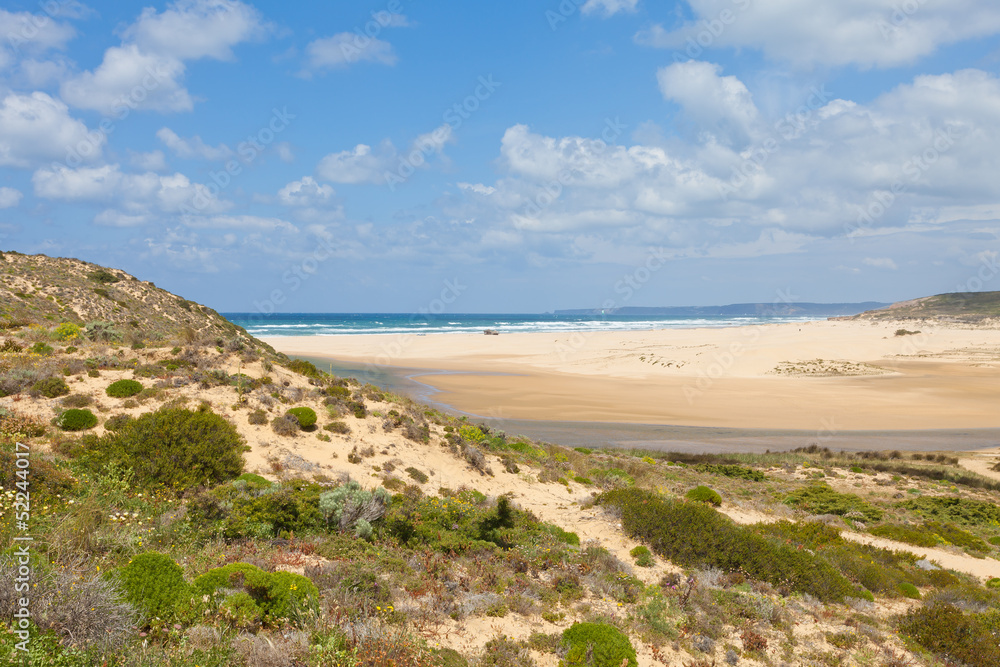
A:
x,y
823,376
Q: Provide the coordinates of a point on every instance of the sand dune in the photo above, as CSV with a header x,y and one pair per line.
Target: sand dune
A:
x,y
825,376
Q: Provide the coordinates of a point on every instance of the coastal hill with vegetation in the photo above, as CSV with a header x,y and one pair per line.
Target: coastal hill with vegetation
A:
x,y
969,307
195,498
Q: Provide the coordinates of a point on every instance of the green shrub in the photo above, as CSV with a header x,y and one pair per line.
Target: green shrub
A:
x,y
102,332
103,277
257,417
703,494
908,534
42,349
336,391
67,331
734,471
154,583
123,389
944,630
417,476
349,504
821,499
696,535
909,590
77,401
337,427
958,510
597,645
993,582
76,420
118,422
305,416
501,651
174,447
642,556
52,387
303,367
278,595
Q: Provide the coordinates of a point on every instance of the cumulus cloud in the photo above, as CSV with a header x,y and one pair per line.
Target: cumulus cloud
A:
x,y
609,7
720,104
872,33
193,148
364,164
347,48
28,35
305,192
151,161
36,127
133,198
921,154
147,70
9,197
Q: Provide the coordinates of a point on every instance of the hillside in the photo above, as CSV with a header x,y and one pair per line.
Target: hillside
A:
x,y
197,503
953,307
36,290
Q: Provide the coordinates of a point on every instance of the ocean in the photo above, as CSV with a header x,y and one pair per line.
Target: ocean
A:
x,y
337,324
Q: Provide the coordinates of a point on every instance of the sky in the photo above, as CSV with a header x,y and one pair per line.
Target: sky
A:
x,y
525,156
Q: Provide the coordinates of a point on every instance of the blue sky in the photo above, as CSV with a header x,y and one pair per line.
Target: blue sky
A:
x,y
517,157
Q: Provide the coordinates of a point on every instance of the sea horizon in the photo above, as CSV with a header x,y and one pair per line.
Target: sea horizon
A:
x,y
338,324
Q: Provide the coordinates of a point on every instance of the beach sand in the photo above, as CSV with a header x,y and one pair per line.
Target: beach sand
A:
x,y
823,376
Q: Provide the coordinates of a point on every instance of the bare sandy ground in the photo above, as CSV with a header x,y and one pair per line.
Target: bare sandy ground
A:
x,y
826,376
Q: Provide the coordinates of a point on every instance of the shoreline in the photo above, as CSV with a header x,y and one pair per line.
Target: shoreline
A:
x,y
828,377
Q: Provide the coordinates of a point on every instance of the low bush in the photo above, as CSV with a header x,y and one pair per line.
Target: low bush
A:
x,y
118,422
123,389
303,367
278,595
77,401
174,447
597,645
338,427
52,387
958,510
286,425
914,535
694,534
417,476
909,590
734,471
953,635
642,556
306,417
501,651
67,331
347,506
257,417
76,420
821,499
703,494
153,583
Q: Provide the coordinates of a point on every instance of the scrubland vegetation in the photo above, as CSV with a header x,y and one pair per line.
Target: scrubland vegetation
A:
x,y
198,500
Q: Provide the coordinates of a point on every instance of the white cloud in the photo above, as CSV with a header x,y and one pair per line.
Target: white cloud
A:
x,y
305,192
867,33
609,7
194,29
130,79
193,148
478,188
147,70
363,164
151,161
917,157
880,263
347,48
9,197
137,198
27,35
36,127
245,223
719,104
